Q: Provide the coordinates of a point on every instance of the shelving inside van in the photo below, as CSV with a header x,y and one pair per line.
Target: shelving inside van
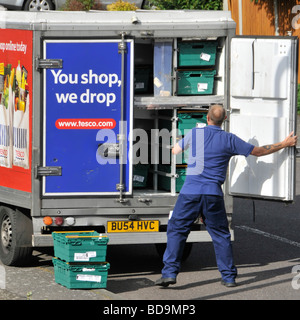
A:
x,y
176,80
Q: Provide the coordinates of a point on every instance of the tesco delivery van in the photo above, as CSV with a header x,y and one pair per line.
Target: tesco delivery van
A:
x,y
91,104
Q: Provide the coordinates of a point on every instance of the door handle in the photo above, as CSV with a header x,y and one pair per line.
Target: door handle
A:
x,y
109,150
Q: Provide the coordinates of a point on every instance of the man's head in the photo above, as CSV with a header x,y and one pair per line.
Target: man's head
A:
x,y
216,115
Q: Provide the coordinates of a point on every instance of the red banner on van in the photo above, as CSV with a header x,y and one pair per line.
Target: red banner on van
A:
x,y
15,108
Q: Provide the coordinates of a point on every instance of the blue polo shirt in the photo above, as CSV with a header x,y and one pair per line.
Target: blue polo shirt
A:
x,y
210,149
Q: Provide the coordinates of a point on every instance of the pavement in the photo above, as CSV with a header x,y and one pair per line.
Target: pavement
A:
x,y
6,295
37,282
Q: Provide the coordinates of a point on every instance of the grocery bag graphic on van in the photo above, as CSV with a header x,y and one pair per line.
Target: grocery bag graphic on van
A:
x,y
6,107
21,120
21,137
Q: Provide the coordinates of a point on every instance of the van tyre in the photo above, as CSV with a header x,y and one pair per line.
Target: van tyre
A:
x,y
15,237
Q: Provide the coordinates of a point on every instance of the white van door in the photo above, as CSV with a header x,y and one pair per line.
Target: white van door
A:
x,y
263,110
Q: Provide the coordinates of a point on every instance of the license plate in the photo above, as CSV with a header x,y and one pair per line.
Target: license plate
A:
x,y
133,226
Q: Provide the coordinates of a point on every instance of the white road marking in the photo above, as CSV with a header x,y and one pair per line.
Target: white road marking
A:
x,y
269,235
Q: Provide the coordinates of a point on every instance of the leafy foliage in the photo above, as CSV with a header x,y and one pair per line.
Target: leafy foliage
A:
x,y
82,5
187,4
121,5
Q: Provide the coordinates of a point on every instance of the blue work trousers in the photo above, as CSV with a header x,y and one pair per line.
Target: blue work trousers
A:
x,y
187,209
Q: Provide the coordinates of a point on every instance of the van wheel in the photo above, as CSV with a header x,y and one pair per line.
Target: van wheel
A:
x,y
15,237
38,5
161,247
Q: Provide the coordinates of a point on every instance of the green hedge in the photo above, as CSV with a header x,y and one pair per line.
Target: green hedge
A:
x,y
187,4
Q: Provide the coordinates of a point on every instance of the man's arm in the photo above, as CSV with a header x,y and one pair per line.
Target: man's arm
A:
x,y
177,149
289,141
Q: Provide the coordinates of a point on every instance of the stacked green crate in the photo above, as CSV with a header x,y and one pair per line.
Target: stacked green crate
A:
x,y
140,175
197,53
196,67
80,259
195,82
187,119
165,182
80,276
142,79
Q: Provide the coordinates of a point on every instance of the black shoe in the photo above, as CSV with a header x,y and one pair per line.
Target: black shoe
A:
x,y
228,284
164,282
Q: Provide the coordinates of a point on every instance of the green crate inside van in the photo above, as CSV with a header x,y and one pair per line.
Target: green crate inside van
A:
x,y
140,175
141,80
199,53
164,182
195,82
190,120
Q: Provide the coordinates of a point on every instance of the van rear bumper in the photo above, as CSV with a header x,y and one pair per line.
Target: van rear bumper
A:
x,y
45,240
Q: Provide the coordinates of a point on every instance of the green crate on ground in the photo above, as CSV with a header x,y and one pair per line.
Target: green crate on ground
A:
x,y
80,246
80,276
200,53
140,175
164,182
195,82
190,120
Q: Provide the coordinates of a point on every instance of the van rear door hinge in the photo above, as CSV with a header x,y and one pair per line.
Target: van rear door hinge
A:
x,y
48,63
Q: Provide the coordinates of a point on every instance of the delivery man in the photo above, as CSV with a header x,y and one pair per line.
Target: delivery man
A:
x,y
210,149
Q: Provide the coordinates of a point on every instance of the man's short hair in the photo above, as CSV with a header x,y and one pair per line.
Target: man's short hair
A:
x,y
217,114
